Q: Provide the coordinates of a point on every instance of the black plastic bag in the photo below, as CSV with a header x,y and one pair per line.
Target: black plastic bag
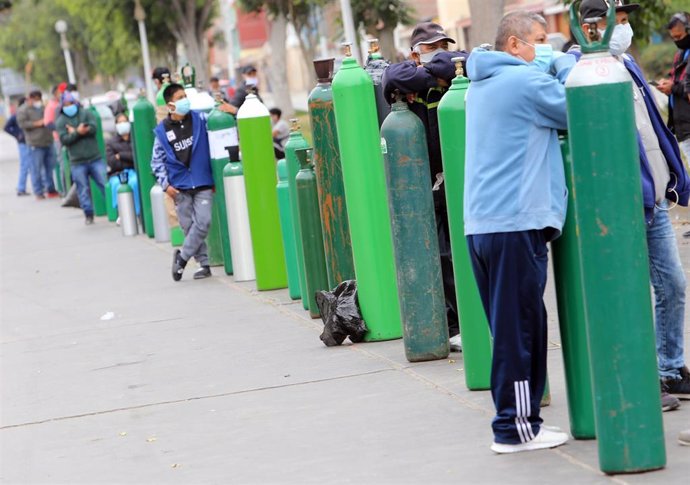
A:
x,y
340,314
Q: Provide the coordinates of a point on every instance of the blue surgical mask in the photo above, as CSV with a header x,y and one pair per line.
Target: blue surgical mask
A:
x,y
182,106
543,55
70,110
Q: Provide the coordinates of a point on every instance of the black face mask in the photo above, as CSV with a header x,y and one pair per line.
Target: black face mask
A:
x,y
683,43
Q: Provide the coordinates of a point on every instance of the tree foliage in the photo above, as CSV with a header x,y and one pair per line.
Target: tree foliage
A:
x,y
103,35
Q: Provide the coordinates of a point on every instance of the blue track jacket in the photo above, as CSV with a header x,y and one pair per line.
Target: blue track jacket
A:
x,y
514,177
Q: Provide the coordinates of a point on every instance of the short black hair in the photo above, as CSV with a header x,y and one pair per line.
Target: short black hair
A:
x,y
21,100
276,111
72,87
214,79
35,94
159,72
170,91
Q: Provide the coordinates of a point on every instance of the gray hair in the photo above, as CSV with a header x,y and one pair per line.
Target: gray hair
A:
x,y
518,24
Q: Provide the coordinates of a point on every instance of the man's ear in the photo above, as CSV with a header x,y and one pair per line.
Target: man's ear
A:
x,y
415,57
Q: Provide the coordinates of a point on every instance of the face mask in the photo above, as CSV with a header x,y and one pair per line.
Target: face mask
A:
x,y
251,81
428,56
683,43
122,128
70,110
182,106
620,39
38,104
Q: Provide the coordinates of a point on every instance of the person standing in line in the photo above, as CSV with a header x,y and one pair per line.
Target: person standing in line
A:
x,y
515,203
39,138
77,129
12,127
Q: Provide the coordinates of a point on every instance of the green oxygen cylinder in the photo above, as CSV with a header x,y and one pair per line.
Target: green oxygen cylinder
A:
x,y
375,66
474,326
112,211
144,121
287,227
295,142
415,243
329,178
571,315
222,133
98,196
613,256
66,168
367,202
256,145
310,227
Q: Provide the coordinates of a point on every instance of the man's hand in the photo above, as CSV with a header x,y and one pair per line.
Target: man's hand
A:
x,y
38,123
172,192
82,129
227,108
70,128
117,156
664,85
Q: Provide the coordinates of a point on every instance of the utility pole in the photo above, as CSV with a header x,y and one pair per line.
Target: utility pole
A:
x,y
140,16
350,31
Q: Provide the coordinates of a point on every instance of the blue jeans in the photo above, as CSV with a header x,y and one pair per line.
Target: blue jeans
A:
x,y
80,175
668,281
25,166
43,163
132,181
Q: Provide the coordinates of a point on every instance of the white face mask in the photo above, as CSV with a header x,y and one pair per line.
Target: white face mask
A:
x,y
428,56
251,81
621,38
38,104
123,128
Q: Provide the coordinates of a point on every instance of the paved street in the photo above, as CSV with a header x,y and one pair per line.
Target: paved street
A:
x,y
212,382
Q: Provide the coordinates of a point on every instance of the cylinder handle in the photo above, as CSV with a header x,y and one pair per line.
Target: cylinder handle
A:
x,y
459,70
373,45
294,124
347,48
590,42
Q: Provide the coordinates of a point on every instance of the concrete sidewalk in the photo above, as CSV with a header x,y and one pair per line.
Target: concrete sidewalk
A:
x,y
212,382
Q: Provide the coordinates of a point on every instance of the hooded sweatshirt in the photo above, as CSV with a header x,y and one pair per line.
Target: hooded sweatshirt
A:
x,y
514,178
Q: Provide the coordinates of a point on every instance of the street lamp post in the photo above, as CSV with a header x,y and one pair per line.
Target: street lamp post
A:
x,y
61,28
350,31
140,16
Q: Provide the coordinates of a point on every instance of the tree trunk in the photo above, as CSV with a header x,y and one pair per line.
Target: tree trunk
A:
x,y
486,15
277,73
386,42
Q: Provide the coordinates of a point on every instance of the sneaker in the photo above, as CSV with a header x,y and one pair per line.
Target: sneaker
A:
x,y
684,437
201,273
668,402
455,343
89,220
40,196
52,195
178,265
547,438
21,193
679,387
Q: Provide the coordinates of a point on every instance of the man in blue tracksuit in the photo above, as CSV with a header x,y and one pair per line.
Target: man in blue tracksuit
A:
x,y
515,203
664,181
182,165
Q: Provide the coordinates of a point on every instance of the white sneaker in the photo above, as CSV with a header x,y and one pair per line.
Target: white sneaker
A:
x,y
545,439
455,343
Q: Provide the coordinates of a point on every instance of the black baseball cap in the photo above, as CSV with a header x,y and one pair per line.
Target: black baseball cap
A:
x,y
248,69
599,8
159,72
428,33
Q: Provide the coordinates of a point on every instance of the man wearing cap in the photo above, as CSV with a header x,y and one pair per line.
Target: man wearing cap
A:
x,y
424,80
677,86
514,204
250,84
664,180
159,74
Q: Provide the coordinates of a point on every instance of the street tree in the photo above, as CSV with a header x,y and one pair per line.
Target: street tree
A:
x,y
379,19
486,15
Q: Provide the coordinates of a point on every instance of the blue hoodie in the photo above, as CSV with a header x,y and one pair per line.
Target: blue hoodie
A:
x,y
514,178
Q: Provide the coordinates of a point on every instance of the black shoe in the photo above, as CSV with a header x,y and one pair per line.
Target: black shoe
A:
x,y
178,265
21,193
89,220
201,273
668,402
679,387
